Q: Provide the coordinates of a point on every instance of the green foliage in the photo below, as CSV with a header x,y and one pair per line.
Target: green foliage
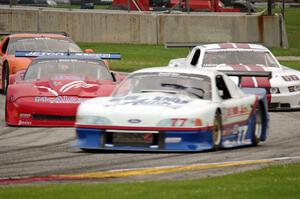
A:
x,y
276,182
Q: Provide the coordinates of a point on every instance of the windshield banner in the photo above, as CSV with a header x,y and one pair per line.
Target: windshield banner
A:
x,y
40,53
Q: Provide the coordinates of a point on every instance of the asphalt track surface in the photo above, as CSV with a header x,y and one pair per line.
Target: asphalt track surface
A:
x,y
31,152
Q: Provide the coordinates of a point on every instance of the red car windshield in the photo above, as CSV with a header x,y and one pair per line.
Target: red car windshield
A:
x,y
44,44
67,69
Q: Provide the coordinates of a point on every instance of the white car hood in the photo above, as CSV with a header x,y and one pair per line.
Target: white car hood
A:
x,y
144,109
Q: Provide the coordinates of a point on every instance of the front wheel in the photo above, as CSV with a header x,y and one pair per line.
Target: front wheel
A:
x,y
5,77
217,132
258,127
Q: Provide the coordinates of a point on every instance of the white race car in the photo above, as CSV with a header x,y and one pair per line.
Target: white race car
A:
x,y
173,109
283,89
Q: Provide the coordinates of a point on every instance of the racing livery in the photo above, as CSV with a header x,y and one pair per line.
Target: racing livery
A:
x,y
283,89
10,64
50,90
173,109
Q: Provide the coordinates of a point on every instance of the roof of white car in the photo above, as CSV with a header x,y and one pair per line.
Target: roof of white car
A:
x,y
235,46
187,70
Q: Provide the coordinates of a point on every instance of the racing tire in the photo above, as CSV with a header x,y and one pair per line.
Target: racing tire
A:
x,y
6,112
257,128
5,78
217,131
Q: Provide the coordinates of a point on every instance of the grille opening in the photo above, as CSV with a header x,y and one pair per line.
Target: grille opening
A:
x,y
279,105
121,139
52,117
273,105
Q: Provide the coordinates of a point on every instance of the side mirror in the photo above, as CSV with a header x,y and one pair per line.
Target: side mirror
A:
x,y
88,51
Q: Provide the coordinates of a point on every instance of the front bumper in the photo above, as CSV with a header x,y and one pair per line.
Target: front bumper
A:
x,y
285,102
92,138
26,112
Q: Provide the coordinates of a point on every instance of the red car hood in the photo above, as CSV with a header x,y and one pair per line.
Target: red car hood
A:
x,y
53,88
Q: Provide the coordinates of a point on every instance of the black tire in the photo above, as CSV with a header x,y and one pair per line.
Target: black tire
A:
x,y
5,77
5,110
217,131
258,127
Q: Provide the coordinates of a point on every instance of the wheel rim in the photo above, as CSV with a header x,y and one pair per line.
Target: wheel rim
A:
x,y
216,131
258,125
5,79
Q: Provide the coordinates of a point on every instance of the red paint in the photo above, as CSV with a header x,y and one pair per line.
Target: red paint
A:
x,y
245,81
244,46
12,181
226,45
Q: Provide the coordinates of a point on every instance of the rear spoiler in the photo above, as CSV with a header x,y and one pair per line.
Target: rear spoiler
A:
x,y
184,45
193,44
4,33
95,55
241,74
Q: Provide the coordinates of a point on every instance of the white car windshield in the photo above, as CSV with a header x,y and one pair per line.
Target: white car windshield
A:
x,y
197,86
44,44
67,69
215,58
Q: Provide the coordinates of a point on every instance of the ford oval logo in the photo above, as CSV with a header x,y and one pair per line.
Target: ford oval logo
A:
x,y
134,121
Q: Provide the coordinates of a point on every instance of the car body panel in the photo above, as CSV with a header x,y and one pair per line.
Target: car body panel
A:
x,y
53,100
283,89
160,120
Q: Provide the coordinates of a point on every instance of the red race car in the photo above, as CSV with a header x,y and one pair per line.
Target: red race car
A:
x,y
50,90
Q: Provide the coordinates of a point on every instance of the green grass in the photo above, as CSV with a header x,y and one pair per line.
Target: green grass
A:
x,y
274,182
137,56
292,24
291,64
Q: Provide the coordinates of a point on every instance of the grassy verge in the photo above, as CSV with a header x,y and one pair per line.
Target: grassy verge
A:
x,y
292,24
272,182
291,64
136,56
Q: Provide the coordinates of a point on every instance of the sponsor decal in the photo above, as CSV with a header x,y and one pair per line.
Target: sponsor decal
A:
x,y
237,111
173,140
134,121
171,102
289,78
59,100
41,53
21,122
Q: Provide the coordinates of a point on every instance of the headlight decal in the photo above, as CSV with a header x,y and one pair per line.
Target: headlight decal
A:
x,y
294,88
92,120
